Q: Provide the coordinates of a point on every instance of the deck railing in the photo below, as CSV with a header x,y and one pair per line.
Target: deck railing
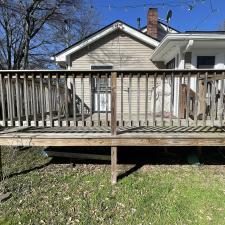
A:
x,y
112,98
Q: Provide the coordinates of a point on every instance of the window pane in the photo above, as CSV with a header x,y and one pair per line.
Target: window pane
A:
x,y
205,62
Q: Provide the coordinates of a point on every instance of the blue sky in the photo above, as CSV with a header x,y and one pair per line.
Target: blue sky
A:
x,y
203,16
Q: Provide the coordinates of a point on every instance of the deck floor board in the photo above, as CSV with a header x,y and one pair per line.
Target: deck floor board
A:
x,y
101,136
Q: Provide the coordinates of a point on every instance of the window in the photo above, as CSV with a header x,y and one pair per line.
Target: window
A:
x,y
205,62
171,64
102,67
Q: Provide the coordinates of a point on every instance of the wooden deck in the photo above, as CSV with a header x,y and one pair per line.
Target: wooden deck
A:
x,y
141,108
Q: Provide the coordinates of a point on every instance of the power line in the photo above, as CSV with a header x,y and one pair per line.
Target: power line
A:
x,y
190,4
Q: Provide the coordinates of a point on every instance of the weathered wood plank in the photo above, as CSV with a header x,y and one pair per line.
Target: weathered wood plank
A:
x,y
146,99
18,103
163,98
91,99
180,100
121,100
113,103
26,100
171,99
221,100
154,103
188,99
114,165
50,100
204,98
42,100
196,101
2,93
34,105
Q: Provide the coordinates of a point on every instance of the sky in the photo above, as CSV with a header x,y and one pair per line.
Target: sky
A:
x,y
187,14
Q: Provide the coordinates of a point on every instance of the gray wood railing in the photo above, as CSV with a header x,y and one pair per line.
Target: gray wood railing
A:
x,y
112,98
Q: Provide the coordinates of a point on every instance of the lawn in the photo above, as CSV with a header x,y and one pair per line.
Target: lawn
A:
x,y
61,193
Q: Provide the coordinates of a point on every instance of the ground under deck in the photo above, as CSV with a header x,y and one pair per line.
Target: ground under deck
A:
x,y
101,136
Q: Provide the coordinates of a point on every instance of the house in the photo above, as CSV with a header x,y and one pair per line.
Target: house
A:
x,y
119,46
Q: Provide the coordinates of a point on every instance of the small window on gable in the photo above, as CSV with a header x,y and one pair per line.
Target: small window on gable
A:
x,y
205,62
102,67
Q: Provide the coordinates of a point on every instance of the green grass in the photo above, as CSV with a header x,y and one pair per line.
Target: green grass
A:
x,y
61,194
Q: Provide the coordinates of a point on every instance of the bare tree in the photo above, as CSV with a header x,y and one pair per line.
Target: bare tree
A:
x,y
32,30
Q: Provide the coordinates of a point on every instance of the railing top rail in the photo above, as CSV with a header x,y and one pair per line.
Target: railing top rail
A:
x,y
47,71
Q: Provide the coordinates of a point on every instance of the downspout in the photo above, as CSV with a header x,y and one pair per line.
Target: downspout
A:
x,y
188,46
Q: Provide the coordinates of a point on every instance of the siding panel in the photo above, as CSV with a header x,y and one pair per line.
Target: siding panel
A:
x,y
119,49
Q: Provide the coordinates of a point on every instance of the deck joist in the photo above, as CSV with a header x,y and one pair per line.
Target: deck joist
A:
x,y
101,136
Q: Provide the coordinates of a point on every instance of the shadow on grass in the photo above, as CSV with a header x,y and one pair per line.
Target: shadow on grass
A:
x,y
30,170
136,156
140,156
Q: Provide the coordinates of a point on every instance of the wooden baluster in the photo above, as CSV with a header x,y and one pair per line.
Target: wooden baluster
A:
x,y
154,101
113,103
21,90
121,103
163,98
42,100
50,100
213,100
91,98
26,100
146,99
130,99
18,103
10,100
58,100
204,98
2,92
66,101
34,100
74,102
196,101
188,99
37,89
13,100
29,97
107,99
98,98
180,100
7,100
82,100
171,99
138,99
221,100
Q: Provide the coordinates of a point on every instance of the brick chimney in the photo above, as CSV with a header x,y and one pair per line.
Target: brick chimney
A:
x,y
152,22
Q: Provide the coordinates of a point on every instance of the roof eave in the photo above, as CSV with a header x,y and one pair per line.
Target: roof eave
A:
x,y
183,37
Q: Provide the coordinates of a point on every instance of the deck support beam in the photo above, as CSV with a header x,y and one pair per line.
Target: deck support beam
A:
x,y
114,165
1,170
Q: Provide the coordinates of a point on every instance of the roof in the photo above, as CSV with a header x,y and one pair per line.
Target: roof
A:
x,y
117,25
205,32
174,41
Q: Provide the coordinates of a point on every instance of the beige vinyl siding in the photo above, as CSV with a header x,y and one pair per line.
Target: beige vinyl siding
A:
x,y
119,49
134,94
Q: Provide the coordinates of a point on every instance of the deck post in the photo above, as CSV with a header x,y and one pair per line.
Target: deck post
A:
x,y
114,165
1,171
113,127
